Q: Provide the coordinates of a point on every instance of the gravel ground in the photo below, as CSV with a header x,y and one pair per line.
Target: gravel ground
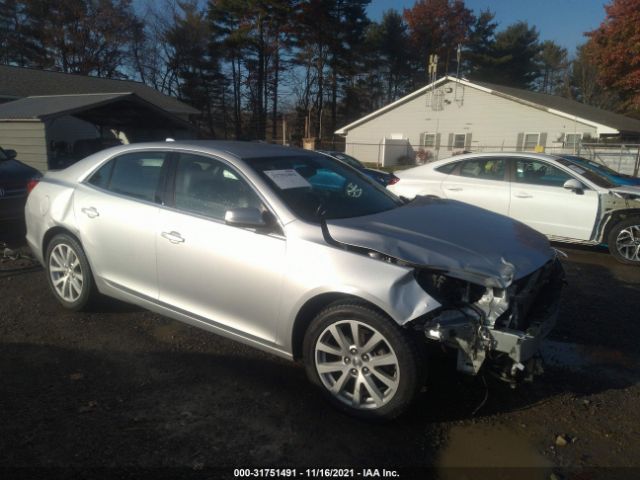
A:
x,y
125,388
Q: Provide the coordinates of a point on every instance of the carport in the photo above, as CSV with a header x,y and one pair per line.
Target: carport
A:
x,y
54,131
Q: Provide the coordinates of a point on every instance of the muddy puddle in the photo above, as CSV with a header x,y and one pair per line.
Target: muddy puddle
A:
x,y
490,451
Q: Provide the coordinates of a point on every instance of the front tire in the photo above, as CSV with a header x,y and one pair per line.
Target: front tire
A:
x,y
365,364
69,274
624,241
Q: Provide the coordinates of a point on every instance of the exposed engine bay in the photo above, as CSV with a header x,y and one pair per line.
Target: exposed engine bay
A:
x,y
505,326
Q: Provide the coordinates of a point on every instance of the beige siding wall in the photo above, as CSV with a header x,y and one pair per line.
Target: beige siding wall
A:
x,y
28,140
493,122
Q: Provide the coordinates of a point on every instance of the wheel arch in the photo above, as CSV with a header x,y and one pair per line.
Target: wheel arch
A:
x,y
312,307
52,232
614,218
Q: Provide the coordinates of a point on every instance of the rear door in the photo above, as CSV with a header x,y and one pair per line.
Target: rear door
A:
x,y
539,199
117,213
480,181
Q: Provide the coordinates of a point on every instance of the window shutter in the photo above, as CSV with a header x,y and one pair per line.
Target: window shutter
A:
x,y
422,139
519,142
450,142
543,139
467,141
437,141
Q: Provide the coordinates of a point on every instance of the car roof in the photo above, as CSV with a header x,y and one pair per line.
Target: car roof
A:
x,y
469,156
416,171
231,150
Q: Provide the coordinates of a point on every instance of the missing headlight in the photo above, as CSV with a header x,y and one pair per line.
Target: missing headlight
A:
x,y
447,290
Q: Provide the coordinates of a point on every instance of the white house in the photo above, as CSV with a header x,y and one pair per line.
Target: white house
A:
x,y
452,115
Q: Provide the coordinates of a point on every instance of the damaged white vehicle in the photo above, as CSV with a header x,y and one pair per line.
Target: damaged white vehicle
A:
x,y
302,256
553,194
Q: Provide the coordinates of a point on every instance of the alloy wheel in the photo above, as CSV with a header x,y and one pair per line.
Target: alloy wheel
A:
x,y
357,364
628,243
66,273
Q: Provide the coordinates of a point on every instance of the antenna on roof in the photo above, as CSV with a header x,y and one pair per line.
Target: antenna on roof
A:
x,y
432,72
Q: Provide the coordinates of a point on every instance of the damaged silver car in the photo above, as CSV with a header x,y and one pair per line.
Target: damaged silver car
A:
x,y
302,256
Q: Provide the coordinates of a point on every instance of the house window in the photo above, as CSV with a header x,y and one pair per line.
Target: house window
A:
x,y
531,140
572,140
459,140
429,140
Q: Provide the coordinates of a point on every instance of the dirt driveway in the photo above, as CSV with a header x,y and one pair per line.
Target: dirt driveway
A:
x,y
125,388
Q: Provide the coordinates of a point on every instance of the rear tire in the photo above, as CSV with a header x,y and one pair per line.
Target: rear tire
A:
x,y
624,241
69,273
364,364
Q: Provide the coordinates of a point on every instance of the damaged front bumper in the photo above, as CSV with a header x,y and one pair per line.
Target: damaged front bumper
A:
x,y
503,328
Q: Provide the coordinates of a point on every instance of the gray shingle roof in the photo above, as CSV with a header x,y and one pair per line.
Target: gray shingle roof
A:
x,y
566,105
537,100
42,107
28,82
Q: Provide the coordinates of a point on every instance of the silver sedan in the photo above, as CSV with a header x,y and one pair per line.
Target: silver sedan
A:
x,y
302,256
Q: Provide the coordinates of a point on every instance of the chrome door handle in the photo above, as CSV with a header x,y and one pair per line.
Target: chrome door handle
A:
x,y
90,212
523,195
453,189
173,237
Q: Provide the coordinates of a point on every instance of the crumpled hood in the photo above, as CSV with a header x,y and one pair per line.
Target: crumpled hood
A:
x,y
470,243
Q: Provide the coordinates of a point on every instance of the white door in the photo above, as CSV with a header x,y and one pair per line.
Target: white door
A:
x,y
225,275
539,200
117,217
480,182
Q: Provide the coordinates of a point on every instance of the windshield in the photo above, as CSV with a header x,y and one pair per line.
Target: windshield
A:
x,y
590,163
317,185
587,173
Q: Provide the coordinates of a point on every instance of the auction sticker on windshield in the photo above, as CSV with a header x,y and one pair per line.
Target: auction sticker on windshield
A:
x,y
286,179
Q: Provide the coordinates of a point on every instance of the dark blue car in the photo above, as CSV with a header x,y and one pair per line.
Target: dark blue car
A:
x,y
603,170
384,178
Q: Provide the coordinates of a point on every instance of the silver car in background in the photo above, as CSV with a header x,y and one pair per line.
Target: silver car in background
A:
x,y
302,256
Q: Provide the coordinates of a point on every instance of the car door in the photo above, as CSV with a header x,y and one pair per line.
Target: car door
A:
x,y
224,275
539,199
117,214
479,181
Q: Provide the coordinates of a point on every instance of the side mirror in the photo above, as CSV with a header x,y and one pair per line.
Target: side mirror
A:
x,y
10,154
245,217
574,185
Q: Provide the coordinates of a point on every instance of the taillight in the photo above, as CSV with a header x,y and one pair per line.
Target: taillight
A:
x,y
31,184
393,180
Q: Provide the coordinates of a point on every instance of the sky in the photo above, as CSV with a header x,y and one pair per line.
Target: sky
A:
x,y
563,21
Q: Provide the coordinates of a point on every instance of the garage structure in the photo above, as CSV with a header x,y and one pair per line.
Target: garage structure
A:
x,y
454,115
52,119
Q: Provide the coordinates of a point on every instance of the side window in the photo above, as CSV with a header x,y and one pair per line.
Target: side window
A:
x,y
483,168
448,168
209,187
134,174
103,175
535,172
